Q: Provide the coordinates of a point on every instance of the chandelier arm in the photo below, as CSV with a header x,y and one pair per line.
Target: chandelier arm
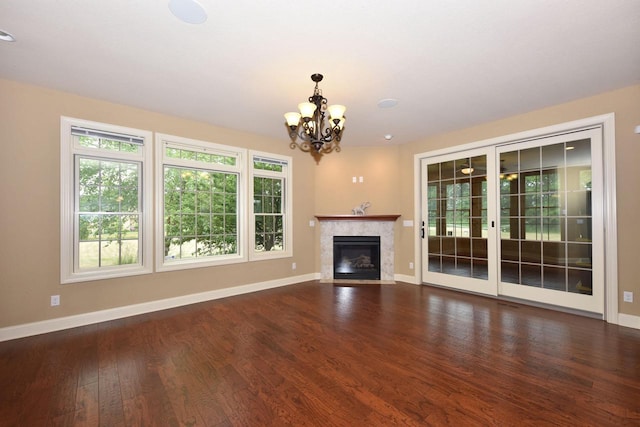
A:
x,y
308,134
332,146
300,133
308,130
326,137
331,133
303,146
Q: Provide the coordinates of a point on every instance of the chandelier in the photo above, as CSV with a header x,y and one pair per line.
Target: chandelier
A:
x,y
309,124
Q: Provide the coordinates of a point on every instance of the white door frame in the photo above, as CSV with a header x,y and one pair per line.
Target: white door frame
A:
x,y
607,123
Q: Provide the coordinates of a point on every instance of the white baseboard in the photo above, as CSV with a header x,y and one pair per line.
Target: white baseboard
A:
x,y
408,279
45,326
52,325
629,320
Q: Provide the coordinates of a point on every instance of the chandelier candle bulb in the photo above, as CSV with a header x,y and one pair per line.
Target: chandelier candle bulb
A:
x,y
336,112
293,119
307,109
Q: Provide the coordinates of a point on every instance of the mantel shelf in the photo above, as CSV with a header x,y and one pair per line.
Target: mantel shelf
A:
x,y
388,217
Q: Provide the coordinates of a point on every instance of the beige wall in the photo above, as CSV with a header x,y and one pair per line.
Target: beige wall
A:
x,y
30,213
378,166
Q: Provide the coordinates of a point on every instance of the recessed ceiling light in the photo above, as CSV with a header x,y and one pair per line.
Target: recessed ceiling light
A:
x,y
388,137
189,11
387,103
6,36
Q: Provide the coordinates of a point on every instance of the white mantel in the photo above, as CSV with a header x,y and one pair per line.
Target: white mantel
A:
x,y
357,225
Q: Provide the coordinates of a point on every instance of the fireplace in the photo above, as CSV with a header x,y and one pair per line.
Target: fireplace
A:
x,y
357,225
356,257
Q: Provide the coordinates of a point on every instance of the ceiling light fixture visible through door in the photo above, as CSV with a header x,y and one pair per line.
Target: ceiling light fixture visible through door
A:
x,y
308,125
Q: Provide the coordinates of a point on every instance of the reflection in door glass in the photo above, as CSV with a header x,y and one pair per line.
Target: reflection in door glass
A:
x,y
545,217
457,217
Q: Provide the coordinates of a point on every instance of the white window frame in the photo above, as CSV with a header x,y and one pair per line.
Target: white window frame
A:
x,y
164,140
69,270
286,175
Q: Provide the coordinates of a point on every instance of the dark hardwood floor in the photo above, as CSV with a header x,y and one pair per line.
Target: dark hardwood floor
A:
x,y
322,355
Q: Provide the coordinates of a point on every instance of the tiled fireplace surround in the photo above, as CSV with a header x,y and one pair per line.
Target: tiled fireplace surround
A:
x,y
353,225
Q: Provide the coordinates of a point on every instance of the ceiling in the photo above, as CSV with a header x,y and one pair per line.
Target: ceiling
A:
x,y
450,64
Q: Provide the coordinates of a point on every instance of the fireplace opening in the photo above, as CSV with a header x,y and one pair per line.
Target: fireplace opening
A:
x,y
356,257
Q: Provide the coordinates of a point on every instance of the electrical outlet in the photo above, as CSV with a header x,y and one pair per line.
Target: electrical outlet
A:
x,y
410,266
627,296
354,179
55,300
293,265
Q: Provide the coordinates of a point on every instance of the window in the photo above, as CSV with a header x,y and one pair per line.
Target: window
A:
x,y
105,203
271,213
202,216
200,197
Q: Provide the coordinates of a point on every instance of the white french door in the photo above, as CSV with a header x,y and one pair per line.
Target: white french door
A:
x,y
551,221
521,220
458,212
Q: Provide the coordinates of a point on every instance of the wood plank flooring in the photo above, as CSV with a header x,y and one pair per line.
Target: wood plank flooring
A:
x,y
315,354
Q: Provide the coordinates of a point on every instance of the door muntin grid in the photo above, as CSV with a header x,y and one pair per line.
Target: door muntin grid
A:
x,y
545,217
456,226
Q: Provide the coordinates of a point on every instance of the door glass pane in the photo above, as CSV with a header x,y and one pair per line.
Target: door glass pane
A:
x,y
457,217
510,272
447,170
545,216
531,275
509,163
433,172
553,156
530,159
